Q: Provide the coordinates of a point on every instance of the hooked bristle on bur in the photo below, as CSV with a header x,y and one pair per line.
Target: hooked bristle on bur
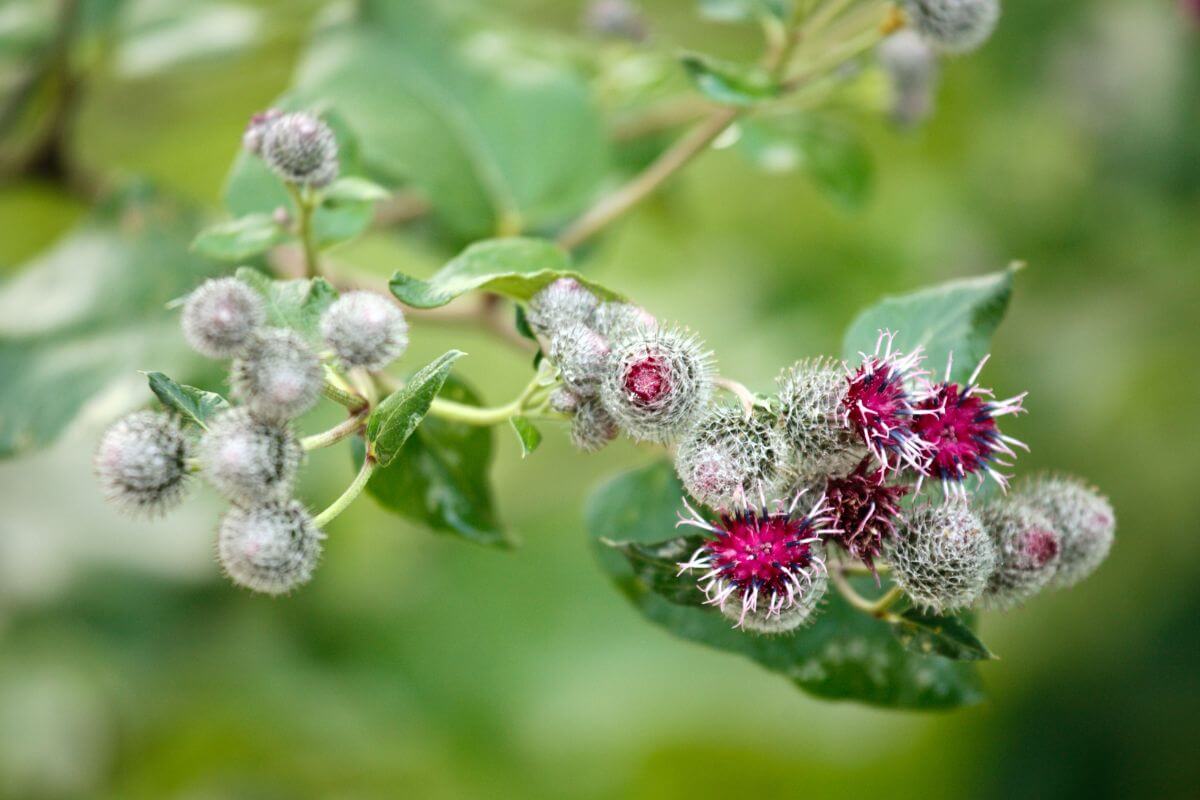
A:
x,y
941,557
810,399
728,457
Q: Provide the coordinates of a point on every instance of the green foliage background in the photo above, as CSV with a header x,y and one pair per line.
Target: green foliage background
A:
x,y
415,665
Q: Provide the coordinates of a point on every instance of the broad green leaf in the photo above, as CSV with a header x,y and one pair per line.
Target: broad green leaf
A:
x,y
297,304
958,317
844,655
515,267
241,238
527,434
830,154
194,405
401,412
743,10
355,189
440,477
926,633
728,83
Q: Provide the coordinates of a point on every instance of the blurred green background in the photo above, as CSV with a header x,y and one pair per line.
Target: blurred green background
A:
x,y
419,666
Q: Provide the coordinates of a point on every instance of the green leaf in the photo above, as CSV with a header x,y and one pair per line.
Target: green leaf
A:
x,y
832,155
527,434
297,304
352,189
194,405
743,10
440,477
401,412
517,268
958,317
728,83
240,238
498,133
925,633
844,655
109,279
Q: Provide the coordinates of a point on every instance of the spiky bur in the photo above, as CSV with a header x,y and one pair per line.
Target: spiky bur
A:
x,y
141,463
277,376
248,460
727,458
270,548
256,130
656,383
563,302
365,329
878,406
810,400
865,510
1083,517
220,316
941,557
580,355
301,149
954,26
762,567
564,401
615,320
591,426
1027,552
958,425
911,67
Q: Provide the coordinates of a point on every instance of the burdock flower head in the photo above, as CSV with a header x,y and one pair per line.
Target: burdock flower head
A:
x,y
942,557
864,509
810,406
1027,548
1083,518
958,423
142,463
301,149
878,406
761,566
729,457
561,303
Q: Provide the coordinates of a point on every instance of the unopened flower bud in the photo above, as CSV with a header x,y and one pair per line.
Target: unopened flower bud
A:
x,y
248,460
365,329
278,376
270,548
563,302
256,129
221,316
580,354
810,400
942,557
141,463
954,26
615,320
657,383
727,460
1027,550
563,400
591,426
1082,516
301,149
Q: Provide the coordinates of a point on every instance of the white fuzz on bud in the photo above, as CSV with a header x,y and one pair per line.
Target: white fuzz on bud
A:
x,y
591,426
911,65
365,329
954,26
727,460
614,321
270,548
618,19
277,375
810,396
1027,551
580,355
248,460
558,305
942,557
763,621
1083,517
141,463
301,149
657,383
256,129
220,316
563,400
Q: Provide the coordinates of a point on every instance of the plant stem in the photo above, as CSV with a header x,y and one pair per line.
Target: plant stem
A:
x,y
352,491
875,608
738,390
337,433
305,207
355,403
476,415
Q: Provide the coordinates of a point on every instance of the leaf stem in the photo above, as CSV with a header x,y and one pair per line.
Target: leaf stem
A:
x,y
337,433
337,391
348,496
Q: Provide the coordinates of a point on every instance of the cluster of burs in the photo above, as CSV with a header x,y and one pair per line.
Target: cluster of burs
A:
x,y
860,441
250,453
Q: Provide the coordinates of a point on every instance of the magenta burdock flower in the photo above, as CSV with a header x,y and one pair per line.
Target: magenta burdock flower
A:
x,y
864,510
762,568
878,406
959,426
